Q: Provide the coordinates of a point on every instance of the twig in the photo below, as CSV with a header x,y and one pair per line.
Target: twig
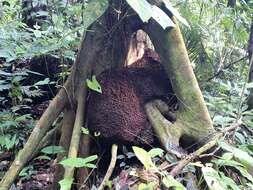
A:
x,y
226,67
176,170
110,168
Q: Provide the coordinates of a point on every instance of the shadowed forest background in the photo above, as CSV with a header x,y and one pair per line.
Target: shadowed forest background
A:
x,y
69,76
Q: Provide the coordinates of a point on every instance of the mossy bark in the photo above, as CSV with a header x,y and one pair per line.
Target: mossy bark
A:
x,y
192,118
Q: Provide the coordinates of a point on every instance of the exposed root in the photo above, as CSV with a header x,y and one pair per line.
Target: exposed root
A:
x,y
110,168
66,130
47,139
167,133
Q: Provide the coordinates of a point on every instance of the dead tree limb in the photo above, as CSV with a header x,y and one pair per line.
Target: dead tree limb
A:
x,y
111,167
210,144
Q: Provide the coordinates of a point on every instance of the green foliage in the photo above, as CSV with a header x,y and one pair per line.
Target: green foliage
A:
x,y
26,172
79,162
169,182
66,183
216,38
149,186
144,157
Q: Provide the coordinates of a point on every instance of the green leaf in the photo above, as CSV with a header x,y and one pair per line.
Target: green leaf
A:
x,y
212,179
155,152
85,131
42,82
229,182
162,18
175,13
144,157
93,84
240,155
149,186
42,157
93,11
79,162
146,11
53,150
66,183
142,8
37,33
169,181
10,142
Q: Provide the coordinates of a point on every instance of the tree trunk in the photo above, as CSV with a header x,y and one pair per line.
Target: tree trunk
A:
x,y
250,53
231,3
192,118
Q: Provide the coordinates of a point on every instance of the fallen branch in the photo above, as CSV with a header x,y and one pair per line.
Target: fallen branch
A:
x,y
110,168
212,142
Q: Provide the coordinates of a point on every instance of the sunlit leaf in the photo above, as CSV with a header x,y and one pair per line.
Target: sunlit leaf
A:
x,y
53,150
161,17
155,152
142,8
79,162
212,179
93,84
85,131
144,157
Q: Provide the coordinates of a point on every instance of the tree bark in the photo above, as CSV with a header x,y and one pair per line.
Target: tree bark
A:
x,y
192,118
250,54
231,3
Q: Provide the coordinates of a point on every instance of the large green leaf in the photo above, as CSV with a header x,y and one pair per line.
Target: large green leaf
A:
x,y
240,155
147,11
79,162
142,8
161,17
212,179
144,157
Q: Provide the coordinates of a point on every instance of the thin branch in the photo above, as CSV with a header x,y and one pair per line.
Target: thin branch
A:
x,y
110,168
176,170
225,67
